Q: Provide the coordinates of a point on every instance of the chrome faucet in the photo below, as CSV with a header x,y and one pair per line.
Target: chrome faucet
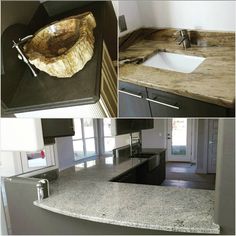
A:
x,y
21,55
131,141
183,38
40,189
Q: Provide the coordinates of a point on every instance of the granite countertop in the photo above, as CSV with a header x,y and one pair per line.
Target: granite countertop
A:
x,y
84,192
213,81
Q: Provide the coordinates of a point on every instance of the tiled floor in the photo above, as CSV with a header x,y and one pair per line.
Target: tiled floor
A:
x,y
183,175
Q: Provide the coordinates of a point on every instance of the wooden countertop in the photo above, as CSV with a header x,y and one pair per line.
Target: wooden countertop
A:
x,y
213,81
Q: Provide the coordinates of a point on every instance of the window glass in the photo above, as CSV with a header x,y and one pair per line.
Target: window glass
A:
x,y
90,147
88,128
36,159
84,141
78,149
179,136
107,127
78,130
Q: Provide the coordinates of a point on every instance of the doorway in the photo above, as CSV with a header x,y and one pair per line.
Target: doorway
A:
x,y
179,140
191,144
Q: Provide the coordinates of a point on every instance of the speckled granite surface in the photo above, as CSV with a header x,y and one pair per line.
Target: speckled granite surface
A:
x,y
85,192
213,81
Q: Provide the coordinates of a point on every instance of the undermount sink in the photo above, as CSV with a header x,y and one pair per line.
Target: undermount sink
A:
x,y
62,48
174,62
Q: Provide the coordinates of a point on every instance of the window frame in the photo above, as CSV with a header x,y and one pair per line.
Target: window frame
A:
x,y
102,139
83,139
49,155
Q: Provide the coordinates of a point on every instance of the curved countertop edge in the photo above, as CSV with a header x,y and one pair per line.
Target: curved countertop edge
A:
x,y
128,224
76,184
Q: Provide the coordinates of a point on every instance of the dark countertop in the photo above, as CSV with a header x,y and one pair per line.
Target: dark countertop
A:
x,y
132,205
46,92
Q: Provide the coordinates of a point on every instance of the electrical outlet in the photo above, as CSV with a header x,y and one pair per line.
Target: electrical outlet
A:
x,y
122,23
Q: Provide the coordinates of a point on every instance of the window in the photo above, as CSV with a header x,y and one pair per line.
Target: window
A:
x,y
109,140
84,140
37,160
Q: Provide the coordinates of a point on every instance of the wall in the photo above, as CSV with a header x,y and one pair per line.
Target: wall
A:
x,y
65,152
124,140
116,7
10,164
225,177
204,15
202,146
207,15
156,137
17,12
132,15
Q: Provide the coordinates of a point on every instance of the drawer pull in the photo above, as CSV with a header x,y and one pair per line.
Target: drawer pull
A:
x,y
162,103
131,94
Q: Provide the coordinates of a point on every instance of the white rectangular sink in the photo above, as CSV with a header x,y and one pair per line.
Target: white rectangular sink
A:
x,y
174,62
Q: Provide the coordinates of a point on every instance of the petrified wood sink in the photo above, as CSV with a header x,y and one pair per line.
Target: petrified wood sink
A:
x,y
62,48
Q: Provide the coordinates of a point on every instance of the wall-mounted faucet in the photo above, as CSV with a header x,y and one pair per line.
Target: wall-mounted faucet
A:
x,y
21,55
183,38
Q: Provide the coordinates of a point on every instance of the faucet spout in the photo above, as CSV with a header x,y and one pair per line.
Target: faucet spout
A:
x,y
184,39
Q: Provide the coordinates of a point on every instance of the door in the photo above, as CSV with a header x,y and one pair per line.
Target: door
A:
x,y
132,102
179,140
212,145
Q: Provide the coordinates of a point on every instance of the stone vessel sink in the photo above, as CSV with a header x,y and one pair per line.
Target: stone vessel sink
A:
x,y
62,48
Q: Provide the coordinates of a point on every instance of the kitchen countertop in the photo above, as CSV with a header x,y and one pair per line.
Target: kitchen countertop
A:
x,y
213,81
84,192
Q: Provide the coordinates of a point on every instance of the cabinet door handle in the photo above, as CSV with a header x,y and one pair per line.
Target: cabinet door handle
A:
x,y
162,103
131,94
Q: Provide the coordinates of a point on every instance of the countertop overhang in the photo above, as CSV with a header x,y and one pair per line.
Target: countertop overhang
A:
x,y
84,192
213,81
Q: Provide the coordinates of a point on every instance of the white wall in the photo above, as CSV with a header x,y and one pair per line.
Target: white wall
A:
x,y
65,152
202,15
10,164
132,15
225,177
156,137
207,15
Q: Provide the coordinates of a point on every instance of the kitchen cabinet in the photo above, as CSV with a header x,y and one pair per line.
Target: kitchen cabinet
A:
x,y
53,128
132,102
125,126
138,101
21,134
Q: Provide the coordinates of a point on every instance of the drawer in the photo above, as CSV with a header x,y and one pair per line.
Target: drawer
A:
x,y
164,104
132,101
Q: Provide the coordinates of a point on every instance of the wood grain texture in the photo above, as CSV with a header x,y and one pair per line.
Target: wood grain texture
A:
x,y
213,81
62,48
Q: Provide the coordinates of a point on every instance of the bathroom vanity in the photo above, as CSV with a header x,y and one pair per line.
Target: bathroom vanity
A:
x,y
93,89
159,78
135,100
